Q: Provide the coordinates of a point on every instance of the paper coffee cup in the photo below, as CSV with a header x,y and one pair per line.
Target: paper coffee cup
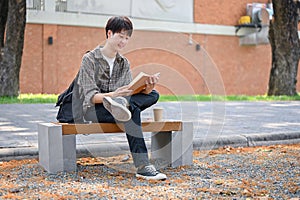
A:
x,y
158,114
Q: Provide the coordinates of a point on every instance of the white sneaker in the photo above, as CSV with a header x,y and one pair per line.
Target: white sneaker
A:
x,y
150,173
118,108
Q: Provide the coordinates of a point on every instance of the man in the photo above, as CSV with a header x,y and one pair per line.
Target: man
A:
x,y
102,85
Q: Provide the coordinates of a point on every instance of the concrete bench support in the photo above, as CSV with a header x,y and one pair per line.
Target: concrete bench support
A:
x,y
50,147
57,152
174,148
57,143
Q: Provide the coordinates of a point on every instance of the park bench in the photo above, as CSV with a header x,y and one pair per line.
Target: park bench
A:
x,y
171,142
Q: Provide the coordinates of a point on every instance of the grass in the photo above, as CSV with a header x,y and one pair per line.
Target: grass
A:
x,y
51,98
228,98
29,99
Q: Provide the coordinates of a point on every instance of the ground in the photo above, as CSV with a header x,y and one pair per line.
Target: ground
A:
x,y
271,172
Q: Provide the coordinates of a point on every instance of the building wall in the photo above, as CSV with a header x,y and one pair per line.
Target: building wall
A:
x,y
221,66
221,12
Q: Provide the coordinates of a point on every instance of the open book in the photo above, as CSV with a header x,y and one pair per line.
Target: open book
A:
x,y
139,82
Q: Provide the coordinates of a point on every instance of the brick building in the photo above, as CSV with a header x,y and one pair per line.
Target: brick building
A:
x,y
198,50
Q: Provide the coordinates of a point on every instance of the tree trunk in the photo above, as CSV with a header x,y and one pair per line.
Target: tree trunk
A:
x,y
3,18
13,17
285,46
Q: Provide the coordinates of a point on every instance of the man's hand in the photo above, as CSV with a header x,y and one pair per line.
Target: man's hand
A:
x,y
122,91
150,83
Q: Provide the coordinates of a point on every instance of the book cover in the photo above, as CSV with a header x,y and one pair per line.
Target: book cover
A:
x,y
139,82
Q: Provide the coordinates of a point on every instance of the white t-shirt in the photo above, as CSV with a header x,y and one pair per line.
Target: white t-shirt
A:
x,y
111,63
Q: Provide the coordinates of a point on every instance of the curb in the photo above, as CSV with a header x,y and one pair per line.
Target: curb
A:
x,y
263,139
108,149
273,138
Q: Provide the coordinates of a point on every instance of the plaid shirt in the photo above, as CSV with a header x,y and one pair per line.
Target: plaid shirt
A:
x,y
93,76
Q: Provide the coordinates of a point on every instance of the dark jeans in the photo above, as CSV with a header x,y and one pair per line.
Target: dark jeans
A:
x,y
133,129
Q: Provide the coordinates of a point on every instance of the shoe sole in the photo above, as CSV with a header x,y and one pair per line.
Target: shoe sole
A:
x,y
159,177
118,111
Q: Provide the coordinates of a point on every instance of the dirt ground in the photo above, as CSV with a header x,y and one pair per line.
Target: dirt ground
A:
x,y
271,172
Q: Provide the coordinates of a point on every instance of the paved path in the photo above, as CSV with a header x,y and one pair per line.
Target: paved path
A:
x,y
215,123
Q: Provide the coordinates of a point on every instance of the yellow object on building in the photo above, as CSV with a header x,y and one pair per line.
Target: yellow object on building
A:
x,y
245,20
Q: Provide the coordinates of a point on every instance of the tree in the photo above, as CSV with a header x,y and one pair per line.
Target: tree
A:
x,y
12,27
284,40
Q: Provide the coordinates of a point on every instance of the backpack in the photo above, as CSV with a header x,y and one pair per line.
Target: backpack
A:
x,y
64,101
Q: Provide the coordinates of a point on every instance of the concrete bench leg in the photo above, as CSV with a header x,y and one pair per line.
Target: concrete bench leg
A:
x,y
56,152
69,155
173,148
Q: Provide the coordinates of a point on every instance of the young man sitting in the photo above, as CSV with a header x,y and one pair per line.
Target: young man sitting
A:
x,y
102,85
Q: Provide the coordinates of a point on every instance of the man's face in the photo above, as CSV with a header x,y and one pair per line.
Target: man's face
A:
x,y
118,40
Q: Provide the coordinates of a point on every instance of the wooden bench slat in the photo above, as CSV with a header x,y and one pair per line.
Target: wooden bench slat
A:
x,y
69,129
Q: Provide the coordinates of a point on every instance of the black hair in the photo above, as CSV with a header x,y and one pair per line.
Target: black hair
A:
x,y
119,23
